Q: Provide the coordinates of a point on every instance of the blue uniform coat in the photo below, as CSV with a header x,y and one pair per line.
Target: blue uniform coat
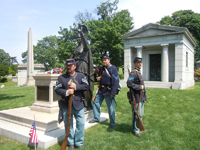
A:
x,y
134,83
109,84
81,86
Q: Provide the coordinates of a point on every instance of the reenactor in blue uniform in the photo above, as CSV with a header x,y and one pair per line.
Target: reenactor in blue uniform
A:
x,y
67,84
108,88
133,83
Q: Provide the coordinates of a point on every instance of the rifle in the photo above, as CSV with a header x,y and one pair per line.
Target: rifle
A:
x,y
97,87
64,144
141,125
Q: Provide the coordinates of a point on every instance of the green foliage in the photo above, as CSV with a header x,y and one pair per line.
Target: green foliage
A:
x,y
4,58
12,72
167,20
105,33
188,19
3,80
121,73
12,69
66,43
24,56
171,118
45,52
8,83
3,70
107,10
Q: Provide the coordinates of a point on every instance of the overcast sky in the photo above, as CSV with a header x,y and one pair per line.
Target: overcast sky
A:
x,y
45,17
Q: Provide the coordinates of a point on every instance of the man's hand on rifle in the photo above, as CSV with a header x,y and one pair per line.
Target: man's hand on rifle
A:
x,y
70,91
99,78
72,85
142,86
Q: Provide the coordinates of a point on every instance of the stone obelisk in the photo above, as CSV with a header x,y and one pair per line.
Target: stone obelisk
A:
x,y
30,63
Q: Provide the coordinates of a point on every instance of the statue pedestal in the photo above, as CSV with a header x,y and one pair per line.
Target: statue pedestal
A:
x,y
46,100
45,111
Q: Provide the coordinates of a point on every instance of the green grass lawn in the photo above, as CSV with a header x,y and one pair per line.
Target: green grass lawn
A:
x,y
171,118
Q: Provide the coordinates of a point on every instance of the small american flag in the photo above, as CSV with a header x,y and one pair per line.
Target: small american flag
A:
x,y
33,134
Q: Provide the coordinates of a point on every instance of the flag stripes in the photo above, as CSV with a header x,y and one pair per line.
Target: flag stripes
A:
x,y
33,134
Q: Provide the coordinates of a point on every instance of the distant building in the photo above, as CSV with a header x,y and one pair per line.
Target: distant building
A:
x,y
167,52
22,72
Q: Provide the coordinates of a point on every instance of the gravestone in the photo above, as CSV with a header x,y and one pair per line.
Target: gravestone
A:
x,y
22,72
14,78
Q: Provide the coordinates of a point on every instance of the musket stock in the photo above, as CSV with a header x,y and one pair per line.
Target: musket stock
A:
x,y
96,94
97,87
141,125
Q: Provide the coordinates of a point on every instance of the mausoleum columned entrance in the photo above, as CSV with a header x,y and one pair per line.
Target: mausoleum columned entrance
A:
x,y
155,67
167,53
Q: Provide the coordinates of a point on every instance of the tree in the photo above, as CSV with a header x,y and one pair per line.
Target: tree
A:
x,y
4,58
66,43
45,52
83,16
107,10
13,69
188,19
3,70
24,56
105,32
13,60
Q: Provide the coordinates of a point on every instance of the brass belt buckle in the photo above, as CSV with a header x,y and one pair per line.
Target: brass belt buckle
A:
x,y
102,86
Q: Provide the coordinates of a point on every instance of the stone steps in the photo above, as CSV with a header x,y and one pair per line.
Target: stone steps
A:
x,y
16,124
152,84
158,84
45,121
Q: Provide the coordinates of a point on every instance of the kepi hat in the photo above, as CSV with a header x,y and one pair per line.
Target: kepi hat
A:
x,y
70,61
137,59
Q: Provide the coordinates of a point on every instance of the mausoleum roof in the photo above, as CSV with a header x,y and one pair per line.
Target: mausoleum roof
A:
x,y
154,29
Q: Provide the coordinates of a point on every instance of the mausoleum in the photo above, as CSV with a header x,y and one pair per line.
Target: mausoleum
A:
x,y
167,53
22,72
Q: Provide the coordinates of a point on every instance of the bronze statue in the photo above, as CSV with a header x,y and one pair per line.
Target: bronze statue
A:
x,y
84,62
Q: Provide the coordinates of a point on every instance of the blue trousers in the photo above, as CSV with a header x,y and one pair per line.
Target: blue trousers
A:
x,y
136,129
110,104
77,138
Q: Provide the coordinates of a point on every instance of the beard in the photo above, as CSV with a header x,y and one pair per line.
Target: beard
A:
x,y
69,70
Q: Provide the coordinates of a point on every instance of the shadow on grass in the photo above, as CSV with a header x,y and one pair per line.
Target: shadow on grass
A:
x,y
124,128
7,97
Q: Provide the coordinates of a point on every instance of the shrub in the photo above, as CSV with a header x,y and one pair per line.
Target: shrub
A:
x,y
197,73
12,70
121,73
3,70
4,80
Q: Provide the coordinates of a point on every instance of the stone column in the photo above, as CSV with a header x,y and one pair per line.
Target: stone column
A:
x,y
179,62
139,54
30,63
127,61
165,63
